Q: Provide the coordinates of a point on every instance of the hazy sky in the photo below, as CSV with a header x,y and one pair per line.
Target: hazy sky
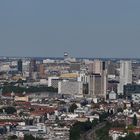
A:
x,y
84,28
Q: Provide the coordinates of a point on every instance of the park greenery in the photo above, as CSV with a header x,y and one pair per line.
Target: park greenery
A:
x,y
81,127
14,137
26,137
72,107
102,134
30,137
30,89
8,110
135,120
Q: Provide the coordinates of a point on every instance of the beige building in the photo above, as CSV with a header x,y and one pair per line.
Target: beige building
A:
x,y
94,85
95,67
98,82
24,98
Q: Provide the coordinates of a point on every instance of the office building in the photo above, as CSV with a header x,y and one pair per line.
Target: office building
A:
x,y
83,78
104,80
32,68
41,71
130,89
111,68
95,67
125,75
98,82
94,85
73,88
19,65
51,83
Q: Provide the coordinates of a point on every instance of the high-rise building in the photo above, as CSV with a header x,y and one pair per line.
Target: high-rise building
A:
x,y
125,75
41,70
19,65
95,67
104,79
111,68
32,68
98,82
94,85
50,79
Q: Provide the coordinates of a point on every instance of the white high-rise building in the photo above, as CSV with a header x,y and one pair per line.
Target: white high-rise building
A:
x,y
125,75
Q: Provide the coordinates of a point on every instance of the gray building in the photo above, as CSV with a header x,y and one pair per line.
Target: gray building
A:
x,y
70,88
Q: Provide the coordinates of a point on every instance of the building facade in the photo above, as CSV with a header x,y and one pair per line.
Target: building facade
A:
x,y
125,75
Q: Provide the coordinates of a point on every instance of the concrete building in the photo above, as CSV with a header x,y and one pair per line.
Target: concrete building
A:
x,y
38,130
104,80
94,85
95,67
19,65
98,82
70,88
111,68
125,75
32,68
53,82
82,78
41,71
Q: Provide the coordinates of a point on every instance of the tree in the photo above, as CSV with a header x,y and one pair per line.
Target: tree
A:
x,y
14,137
135,120
95,122
119,110
102,133
103,116
10,110
30,137
72,108
79,128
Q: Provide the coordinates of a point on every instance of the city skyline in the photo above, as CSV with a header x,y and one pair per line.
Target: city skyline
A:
x,y
69,70
106,29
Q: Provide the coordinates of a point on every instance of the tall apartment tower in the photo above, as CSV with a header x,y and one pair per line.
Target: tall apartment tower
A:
x,y
95,67
125,75
19,65
32,67
94,85
104,80
41,70
98,81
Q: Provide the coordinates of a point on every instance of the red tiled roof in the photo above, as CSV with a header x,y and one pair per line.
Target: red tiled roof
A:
x,y
8,123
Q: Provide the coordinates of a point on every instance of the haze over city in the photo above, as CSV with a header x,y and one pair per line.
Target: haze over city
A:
x,y
83,28
69,70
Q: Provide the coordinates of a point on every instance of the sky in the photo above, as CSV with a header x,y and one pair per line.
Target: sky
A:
x,y
84,28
